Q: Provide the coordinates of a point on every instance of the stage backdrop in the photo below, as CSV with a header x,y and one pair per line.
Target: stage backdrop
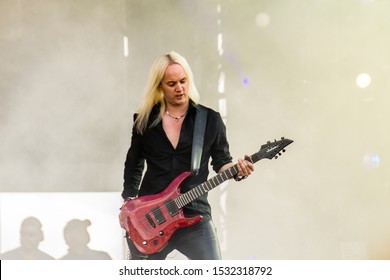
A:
x,y
72,73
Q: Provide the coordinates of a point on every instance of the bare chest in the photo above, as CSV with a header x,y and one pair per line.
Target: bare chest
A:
x,y
172,130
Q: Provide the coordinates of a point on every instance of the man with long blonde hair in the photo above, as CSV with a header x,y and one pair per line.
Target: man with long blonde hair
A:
x,y
162,137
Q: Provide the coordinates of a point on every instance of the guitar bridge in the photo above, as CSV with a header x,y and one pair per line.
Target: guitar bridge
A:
x,y
147,216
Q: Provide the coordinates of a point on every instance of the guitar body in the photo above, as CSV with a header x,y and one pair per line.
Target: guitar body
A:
x,y
151,220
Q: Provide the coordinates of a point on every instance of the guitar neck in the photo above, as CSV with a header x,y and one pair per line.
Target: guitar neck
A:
x,y
210,184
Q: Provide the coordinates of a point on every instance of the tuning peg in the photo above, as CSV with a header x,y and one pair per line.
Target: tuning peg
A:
x,y
284,150
282,138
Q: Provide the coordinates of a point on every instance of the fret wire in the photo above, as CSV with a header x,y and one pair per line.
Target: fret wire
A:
x,y
177,200
184,200
206,186
180,202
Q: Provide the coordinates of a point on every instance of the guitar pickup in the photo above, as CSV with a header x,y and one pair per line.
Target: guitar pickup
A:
x,y
158,215
171,207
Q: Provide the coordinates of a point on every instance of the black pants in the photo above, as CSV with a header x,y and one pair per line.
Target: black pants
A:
x,y
197,242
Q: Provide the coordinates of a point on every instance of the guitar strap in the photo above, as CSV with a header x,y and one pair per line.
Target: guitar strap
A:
x,y
198,137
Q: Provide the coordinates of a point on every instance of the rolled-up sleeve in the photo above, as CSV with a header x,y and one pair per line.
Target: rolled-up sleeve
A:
x,y
220,154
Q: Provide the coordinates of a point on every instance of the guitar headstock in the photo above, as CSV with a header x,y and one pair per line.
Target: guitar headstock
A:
x,y
273,149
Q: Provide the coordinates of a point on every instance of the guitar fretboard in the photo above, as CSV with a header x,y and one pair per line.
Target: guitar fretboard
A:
x,y
205,187
267,151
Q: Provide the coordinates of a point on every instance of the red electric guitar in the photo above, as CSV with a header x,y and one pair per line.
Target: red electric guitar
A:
x,y
151,220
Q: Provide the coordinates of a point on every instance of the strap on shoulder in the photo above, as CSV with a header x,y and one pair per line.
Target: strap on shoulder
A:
x,y
198,137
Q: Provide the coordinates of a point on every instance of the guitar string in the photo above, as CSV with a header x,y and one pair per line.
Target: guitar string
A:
x,y
192,194
194,190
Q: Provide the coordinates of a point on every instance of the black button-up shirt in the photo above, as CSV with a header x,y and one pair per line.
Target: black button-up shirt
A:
x,y
164,162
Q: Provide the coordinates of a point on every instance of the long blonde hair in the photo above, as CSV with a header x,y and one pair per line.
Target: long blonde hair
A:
x,y
153,95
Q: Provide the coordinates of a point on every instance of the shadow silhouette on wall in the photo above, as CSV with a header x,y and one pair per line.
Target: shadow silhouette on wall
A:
x,y
31,235
77,238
